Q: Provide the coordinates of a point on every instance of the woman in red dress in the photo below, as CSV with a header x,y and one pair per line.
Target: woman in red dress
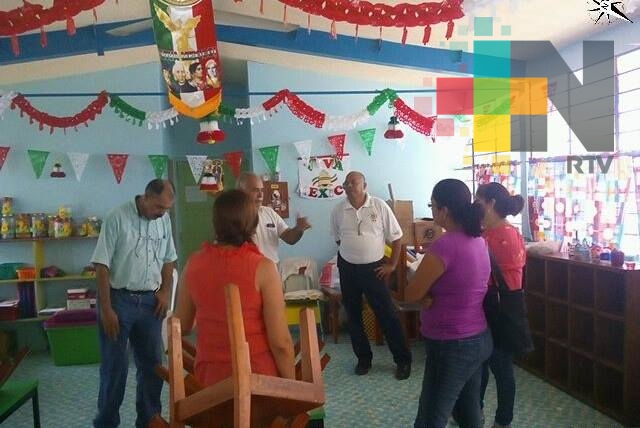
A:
x,y
234,258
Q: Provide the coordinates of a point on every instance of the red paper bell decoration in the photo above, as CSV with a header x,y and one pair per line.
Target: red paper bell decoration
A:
x,y
392,133
210,133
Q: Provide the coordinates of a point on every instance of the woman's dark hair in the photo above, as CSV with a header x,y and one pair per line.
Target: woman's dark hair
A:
x,y
455,195
235,218
505,204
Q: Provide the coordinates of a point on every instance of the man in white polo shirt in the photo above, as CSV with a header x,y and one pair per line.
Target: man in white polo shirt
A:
x,y
271,227
361,225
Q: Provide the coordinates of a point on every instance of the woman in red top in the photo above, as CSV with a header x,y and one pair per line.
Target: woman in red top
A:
x,y
507,246
234,258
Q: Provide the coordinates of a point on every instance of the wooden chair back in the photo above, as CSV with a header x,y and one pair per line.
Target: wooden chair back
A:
x,y
245,399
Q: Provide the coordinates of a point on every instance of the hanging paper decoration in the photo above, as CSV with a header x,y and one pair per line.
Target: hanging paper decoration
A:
x,y
185,33
196,163
130,113
38,159
401,15
234,159
415,120
118,163
367,135
270,156
161,117
89,113
5,101
304,150
57,171
4,151
33,16
337,141
210,133
393,132
78,163
159,164
212,180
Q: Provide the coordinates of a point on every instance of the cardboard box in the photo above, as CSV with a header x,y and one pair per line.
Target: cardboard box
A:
x,y
425,231
403,210
88,303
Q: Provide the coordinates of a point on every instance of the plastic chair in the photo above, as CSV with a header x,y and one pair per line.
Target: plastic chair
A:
x,y
301,289
13,394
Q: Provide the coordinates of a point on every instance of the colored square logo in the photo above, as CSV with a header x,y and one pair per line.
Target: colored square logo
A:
x,y
423,105
492,96
492,133
445,127
483,26
454,95
529,96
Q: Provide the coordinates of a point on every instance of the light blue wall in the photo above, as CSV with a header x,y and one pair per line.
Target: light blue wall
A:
x,y
98,190
412,170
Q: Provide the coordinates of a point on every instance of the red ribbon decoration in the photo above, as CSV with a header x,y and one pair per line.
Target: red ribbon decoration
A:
x,y
299,108
415,120
380,14
89,113
32,16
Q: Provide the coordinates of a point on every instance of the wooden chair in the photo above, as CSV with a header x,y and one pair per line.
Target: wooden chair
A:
x,y
13,394
245,399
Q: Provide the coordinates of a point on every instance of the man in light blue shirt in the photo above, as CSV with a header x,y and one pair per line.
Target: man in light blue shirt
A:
x,y
134,260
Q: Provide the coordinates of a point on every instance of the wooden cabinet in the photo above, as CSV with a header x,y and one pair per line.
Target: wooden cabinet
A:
x,y
585,320
45,296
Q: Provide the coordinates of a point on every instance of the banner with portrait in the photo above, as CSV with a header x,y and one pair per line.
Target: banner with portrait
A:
x,y
321,177
185,34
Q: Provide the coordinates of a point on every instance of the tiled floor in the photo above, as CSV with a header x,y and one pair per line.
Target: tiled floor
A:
x,y
68,395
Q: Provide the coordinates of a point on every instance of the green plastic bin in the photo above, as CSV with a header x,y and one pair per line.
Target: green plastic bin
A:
x,y
73,337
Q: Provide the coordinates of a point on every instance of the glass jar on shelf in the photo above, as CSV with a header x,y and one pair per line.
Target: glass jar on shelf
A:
x,y
93,225
7,227
7,205
39,225
23,225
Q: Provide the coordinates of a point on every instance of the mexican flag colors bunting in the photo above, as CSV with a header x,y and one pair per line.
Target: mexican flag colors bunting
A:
x,y
38,159
337,141
118,164
188,48
3,155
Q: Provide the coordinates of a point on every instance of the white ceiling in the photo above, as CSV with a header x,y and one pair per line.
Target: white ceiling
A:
x,y
561,21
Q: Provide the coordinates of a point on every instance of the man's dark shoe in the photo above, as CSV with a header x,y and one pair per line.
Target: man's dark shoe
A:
x,y
363,367
403,371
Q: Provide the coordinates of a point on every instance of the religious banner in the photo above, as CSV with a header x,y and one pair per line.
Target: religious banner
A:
x,y
322,176
188,46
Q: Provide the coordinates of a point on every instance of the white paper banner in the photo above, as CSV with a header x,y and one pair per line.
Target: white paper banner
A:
x,y
196,163
304,150
322,177
78,162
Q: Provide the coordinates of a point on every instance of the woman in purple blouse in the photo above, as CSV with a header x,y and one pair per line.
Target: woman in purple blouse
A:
x,y
451,282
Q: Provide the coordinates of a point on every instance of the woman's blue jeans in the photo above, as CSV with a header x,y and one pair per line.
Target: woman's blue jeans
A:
x,y
501,365
143,330
453,372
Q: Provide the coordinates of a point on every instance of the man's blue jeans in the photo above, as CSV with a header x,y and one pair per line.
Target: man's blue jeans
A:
x,y
501,365
140,327
453,372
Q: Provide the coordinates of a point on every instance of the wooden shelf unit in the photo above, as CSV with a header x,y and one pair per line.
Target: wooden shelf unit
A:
x,y
585,321
39,261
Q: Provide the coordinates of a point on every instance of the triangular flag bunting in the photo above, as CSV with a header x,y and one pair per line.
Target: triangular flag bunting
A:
x,y
234,159
304,150
337,141
196,163
3,155
270,155
367,136
159,164
118,163
38,159
78,162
